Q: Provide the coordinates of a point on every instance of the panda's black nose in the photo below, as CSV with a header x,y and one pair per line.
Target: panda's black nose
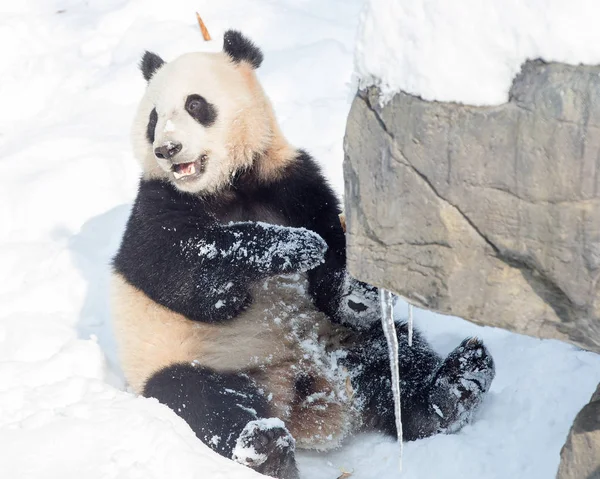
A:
x,y
168,150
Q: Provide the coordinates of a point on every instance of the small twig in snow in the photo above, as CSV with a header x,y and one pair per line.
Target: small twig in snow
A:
x,y
203,28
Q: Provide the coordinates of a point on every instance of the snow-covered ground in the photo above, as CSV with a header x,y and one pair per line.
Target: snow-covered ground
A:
x,y
69,86
469,51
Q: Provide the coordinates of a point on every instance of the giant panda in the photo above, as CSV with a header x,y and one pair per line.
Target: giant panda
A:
x,y
230,296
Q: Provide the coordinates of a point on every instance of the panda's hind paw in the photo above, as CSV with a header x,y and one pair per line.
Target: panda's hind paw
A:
x,y
266,446
461,383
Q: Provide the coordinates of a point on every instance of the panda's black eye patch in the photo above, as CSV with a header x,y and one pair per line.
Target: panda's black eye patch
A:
x,y
200,110
151,125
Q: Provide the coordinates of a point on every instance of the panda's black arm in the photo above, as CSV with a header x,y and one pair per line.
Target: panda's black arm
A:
x,y
201,269
311,203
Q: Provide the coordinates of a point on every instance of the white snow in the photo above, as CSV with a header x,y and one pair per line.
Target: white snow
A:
x,y
69,89
469,51
169,126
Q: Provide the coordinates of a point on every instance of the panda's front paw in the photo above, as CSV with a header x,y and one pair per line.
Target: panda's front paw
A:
x,y
300,250
266,446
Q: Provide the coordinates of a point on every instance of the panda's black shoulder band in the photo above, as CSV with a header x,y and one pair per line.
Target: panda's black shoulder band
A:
x,y
239,48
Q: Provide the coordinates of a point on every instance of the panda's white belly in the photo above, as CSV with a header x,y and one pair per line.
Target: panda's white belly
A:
x,y
281,326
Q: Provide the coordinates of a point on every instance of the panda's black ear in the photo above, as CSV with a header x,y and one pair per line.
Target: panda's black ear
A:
x,y
239,48
149,64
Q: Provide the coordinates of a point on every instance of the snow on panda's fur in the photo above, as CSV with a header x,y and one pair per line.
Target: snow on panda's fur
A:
x,y
231,301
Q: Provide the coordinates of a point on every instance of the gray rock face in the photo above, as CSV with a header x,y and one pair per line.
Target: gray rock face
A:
x,y
580,456
491,214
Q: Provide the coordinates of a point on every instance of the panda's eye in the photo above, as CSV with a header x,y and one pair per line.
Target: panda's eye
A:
x,y
152,120
194,106
200,110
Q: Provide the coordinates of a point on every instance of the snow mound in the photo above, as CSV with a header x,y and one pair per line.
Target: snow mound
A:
x,y
59,418
469,51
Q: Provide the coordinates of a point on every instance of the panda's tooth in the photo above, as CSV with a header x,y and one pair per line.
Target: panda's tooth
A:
x,y
187,170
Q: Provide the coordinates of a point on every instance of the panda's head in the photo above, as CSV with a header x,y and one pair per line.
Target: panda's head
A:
x,y
204,118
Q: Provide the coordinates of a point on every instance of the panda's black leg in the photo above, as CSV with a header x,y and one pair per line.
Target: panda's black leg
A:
x,y
437,396
228,412
369,364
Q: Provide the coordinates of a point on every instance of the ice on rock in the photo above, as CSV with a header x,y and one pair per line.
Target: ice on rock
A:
x,y
410,324
389,329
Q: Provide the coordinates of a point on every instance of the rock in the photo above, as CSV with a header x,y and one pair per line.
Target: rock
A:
x,y
580,456
487,213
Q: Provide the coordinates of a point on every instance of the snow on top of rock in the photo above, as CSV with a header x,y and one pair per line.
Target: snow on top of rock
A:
x,y
469,51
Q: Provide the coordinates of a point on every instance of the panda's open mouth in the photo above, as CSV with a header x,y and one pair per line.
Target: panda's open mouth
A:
x,y
182,170
188,170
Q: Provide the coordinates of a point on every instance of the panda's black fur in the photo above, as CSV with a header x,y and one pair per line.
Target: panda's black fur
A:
x,y
239,48
149,64
200,258
302,199
213,404
151,125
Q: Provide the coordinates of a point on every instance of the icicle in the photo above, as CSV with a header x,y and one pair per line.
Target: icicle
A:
x,y
389,329
410,323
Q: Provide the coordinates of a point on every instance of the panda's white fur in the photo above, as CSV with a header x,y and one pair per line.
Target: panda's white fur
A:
x,y
246,131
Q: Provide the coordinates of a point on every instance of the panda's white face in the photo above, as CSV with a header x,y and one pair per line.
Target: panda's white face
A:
x,y
203,117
